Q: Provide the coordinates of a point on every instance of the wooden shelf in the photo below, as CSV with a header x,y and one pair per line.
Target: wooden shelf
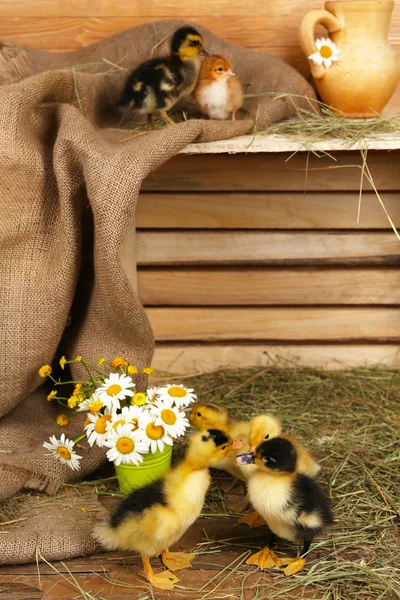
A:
x,y
275,143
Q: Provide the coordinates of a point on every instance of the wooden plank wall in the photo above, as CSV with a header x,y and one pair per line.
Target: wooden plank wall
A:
x,y
245,259
269,26
233,269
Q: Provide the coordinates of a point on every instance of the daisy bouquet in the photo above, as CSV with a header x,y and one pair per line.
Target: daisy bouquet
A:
x,y
128,422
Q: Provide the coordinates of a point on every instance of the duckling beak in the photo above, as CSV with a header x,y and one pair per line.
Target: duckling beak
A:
x,y
237,444
245,459
252,448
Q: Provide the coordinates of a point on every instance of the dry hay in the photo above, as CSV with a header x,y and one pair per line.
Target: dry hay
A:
x,y
350,421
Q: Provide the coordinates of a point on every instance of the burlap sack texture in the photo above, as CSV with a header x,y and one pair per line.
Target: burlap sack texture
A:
x,y
60,153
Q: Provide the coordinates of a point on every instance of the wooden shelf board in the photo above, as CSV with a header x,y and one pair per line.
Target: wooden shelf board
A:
x,y
275,143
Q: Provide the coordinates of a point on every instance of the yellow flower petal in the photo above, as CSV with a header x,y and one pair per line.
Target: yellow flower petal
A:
x,y
100,361
62,420
73,401
132,370
148,370
78,358
138,399
45,371
118,362
52,395
83,509
63,361
77,389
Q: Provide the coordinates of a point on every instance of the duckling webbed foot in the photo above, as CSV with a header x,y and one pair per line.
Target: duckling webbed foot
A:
x,y
164,580
164,115
253,520
177,560
294,566
265,559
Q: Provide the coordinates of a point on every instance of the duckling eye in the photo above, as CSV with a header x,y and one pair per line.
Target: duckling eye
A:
x,y
267,436
223,448
199,414
220,69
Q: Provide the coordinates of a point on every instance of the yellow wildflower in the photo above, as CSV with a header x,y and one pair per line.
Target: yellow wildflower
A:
x,y
62,420
138,399
100,361
102,487
148,370
63,362
95,406
132,370
45,371
118,362
78,358
77,389
73,401
52,395
83,509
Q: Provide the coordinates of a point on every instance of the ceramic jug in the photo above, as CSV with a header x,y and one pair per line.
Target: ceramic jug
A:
x,y
361,82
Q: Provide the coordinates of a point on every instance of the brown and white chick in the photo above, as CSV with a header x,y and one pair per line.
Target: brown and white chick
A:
x,y
218,93
154,517
292,504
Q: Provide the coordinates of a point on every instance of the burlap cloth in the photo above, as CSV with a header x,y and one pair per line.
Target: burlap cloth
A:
x,y
68,193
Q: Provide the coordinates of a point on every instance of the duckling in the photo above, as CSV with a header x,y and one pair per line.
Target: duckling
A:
x,y
152,518
157,84
219,93
262,428
205,415
293,505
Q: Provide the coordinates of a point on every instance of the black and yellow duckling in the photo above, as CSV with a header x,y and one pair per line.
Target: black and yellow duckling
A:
x,y
207,415
157,84
292,504
153,518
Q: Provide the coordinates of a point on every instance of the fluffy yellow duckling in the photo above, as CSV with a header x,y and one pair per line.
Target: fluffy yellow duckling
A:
x,y
157,84
153,518
292,504
207,415
262,429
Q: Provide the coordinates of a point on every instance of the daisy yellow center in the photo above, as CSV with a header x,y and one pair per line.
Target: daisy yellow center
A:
x,y
154,432
135,424
101,424
119,422
176,392
168,416
125,445
325,52
64,452
114,389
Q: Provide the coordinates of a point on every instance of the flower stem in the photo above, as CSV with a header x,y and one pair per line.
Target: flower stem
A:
x,y
79,438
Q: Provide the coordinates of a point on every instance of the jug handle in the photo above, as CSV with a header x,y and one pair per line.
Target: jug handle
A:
x,y
307,36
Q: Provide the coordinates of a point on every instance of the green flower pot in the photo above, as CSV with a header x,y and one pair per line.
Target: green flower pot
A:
x,y
153,467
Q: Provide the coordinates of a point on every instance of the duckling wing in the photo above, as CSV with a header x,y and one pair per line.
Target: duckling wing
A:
x,y
312,507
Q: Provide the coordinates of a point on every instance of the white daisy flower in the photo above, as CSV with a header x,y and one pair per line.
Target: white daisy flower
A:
x,y
168,416
126,446
180,395
63,449
327,52
116,387
96,428
92,404
152,394
129,415
155,435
